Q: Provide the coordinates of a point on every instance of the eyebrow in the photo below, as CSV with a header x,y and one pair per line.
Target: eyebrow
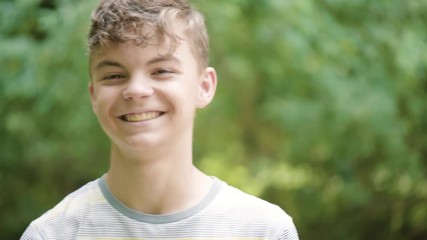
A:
x,y
111,63
163,58
108,63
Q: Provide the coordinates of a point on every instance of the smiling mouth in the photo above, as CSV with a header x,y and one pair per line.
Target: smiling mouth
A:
x,y
140,117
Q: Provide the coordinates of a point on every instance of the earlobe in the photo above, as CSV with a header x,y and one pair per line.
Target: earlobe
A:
x,y
207,87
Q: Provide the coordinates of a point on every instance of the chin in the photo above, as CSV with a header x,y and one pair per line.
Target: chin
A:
x,y
139,144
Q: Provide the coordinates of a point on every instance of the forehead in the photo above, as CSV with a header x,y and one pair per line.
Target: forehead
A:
x,y
131,54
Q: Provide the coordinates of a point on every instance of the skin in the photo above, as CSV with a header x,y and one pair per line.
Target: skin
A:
x,y
145,101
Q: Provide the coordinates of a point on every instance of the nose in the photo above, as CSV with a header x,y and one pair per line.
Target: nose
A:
x,y
136,88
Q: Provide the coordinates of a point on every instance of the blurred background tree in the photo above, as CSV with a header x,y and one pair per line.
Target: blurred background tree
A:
x,y
321,109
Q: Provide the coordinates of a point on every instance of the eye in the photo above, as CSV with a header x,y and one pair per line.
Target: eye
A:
x,y
162,72
113,77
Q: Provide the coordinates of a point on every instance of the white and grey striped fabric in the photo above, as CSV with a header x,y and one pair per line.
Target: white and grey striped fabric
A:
x,y
92,212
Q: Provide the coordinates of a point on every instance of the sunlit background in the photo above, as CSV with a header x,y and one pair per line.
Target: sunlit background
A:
x,y
321,109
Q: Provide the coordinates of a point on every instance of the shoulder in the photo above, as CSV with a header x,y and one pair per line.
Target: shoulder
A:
x,y
65,216
241,207
232,198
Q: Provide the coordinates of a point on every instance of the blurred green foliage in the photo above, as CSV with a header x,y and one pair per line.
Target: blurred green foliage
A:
x,y
321,108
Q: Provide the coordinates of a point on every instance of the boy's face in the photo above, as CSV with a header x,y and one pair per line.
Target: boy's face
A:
x,y
145,97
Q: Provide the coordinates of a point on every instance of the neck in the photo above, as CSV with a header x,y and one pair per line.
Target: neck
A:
x,y
156,184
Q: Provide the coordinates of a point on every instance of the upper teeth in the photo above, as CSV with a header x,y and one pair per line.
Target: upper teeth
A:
x,y
137,117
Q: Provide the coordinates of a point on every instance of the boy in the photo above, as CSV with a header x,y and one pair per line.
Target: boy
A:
x,y
149,73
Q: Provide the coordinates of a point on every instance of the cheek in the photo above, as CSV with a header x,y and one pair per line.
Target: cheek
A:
x,y
189,96
103,102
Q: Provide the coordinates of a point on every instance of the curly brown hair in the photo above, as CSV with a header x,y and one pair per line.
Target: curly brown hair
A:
x,y
148,22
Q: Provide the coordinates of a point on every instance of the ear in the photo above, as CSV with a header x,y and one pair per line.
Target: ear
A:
x,y
207,87
92,97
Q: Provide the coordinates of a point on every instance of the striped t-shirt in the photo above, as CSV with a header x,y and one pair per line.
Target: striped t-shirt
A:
x,y
92,212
